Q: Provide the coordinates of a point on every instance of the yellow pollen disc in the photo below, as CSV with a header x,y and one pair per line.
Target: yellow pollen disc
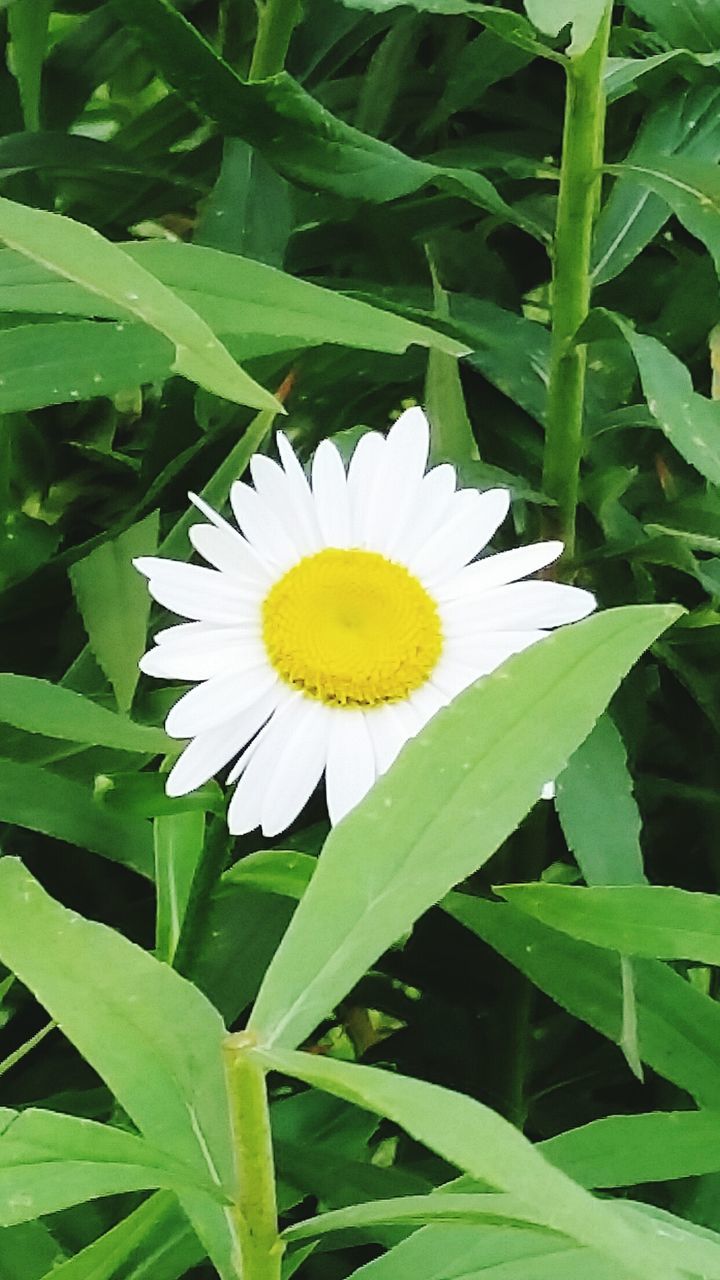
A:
x,y
351,628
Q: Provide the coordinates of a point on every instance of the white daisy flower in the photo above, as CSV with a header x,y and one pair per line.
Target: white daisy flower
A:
x,y
337,619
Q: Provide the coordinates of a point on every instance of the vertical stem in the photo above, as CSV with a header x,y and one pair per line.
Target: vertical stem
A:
x,y
276,22
579,197
255,1209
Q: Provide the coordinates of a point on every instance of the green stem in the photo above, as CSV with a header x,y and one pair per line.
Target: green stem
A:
x,y
578,201
255,1209
277,20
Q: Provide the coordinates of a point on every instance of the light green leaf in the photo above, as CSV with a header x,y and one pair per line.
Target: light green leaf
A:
x,y
640,920
134,1009
232,294
625,1151
49,1161
678,1026
440,1207
694,24
115,606
451,433
461,786
487,1253
40,707
283,871
157,1236
40,800
80,254
597,809
584,16
178,840
28,27
479,1142
76,360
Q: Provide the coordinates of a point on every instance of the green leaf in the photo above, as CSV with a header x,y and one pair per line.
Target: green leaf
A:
x,y
694,24
157,1236
478,1141
583,16
178,840
283,871
298,136
452,436
440,1207
40,707
80,254
40,800
49,1161
597,809
640,920
511,27
690,421
115,606
68,361
625,1151
690,187
684,122
461,786
133,1009
28,26
28,1252
679,1027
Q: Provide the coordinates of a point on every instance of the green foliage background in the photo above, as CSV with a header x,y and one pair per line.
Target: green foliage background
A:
x,y
369,228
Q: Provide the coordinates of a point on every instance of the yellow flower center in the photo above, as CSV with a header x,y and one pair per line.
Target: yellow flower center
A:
x,y
351,628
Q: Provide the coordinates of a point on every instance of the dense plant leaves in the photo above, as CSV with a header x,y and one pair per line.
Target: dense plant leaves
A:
x,y
28,26
481,1143
40,707
690,187
679,1027
135,1010
649,920
624,1151
509,26
115,606
689,420
379,870
28,1252
301,139
49,1161
597,809
40,800
155,1240
692,25
80,254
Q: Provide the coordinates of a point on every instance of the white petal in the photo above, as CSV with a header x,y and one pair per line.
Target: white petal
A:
x,y
298,768
246,807
397,481
228,551
281,495
262,526
211,750
350,770
388,733
362,474
517,606
330,496
218,700
300,490
471,522
428,700
450,676
485,650
548,791
497,570
203,658
202,594
425,515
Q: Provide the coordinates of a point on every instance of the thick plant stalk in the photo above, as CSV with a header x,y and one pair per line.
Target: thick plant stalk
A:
x,y
578,202
276,22
255,1208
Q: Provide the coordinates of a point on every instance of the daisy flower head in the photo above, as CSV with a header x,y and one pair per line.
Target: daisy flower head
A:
x,y
338,616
